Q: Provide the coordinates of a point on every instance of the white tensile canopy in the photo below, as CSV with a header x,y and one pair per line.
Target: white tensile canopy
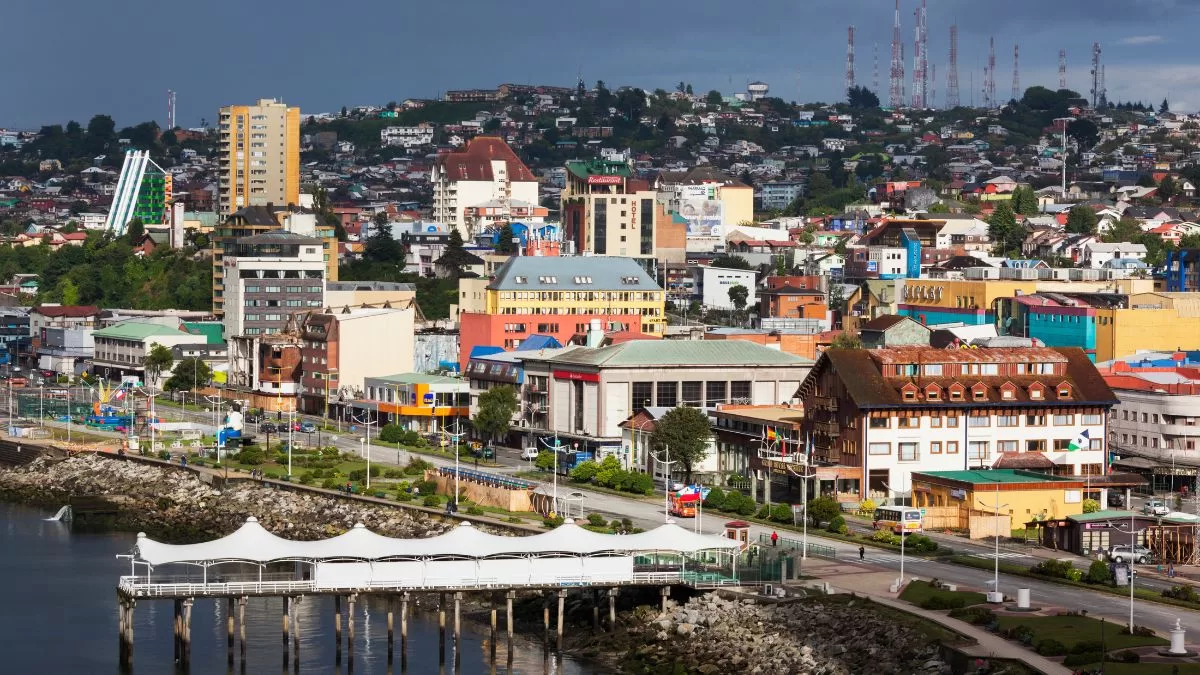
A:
x,y
253,543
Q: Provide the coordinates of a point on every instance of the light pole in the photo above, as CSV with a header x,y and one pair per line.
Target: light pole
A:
x,y
996,580
361,445
666,481
1065,121
554,449
364,444
1132,557
455,436
804,498
291,436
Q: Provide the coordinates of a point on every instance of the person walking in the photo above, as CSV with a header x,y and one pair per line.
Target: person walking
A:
x,y
774,538
862,553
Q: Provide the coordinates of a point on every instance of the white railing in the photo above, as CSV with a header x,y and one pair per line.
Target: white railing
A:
x,y
166,587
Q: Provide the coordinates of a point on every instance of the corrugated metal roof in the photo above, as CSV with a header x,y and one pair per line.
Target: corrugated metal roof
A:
x,y
583,273
681,353
993,476
135,330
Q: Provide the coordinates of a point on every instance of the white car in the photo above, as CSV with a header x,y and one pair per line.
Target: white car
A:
x,y
530,453
1155,507
1124,552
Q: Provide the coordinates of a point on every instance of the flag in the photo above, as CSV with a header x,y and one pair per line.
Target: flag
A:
x,y
119,395
1081,442
771,435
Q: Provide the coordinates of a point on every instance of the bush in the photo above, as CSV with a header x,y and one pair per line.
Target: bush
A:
x,y
584,471
823,510
391,433
331,484
1185,592
403,496
866,507
1056,569
976,616
764,512
781,513
1098,573
597,520
552,522
252,455
943,602
164,455
715,499
1085,646
920,543
1050,647
733,501
746,508
1140,631
1022,633
1091,506
642,483
1127,656
837,525
431,500
1082,658
474,511
427,487
886,537
357,475
393,474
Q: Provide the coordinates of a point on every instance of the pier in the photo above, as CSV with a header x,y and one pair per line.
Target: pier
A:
x,y
252,563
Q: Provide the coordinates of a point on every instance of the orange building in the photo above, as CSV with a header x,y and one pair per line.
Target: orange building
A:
x,y
790,302
796,344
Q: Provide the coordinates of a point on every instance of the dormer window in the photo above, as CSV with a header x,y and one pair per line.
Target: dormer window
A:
x,y
979,391
1037,391
1008,391
909,392
957,391
933,393
1064,391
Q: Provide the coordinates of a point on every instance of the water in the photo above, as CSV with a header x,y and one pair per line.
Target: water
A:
x,y
58,614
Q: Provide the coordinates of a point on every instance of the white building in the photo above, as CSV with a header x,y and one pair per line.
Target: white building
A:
x,y
1097,254
485,170
270,277
712,286
407,137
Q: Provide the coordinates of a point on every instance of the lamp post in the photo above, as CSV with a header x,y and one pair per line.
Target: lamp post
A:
x,y
455,436
996,579
364,443
1132,556
554,449
804,497
1065,121
666,481
291,437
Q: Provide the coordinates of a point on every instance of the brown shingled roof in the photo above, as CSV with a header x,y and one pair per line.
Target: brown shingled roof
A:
x,y
71,311
473,162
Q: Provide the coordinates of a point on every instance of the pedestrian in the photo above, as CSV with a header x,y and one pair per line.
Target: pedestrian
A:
x,y
774,538
862,553
1170,569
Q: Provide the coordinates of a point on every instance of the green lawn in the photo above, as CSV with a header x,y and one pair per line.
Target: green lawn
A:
x,y
1071,630
921,592
1111,668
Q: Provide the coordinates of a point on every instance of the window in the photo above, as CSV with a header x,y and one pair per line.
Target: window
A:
x,y
1062,444
1064,420
642,395
1035,446
910,422
952,448
1006,446
907,452
739,390
979,421
956,393
715,393
933,394
692,394
935,421
1145,417
1092,419
1035,420
952,421
979,393
910,394
1098,444
934,369
977,451
935,448
880,423
668,394
1008,420
879,448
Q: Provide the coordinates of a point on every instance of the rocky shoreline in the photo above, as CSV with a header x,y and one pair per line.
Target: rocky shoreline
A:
x,y
176,506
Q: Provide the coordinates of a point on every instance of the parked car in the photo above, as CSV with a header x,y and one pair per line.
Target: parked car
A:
x,y
1155,507
1116,499
308,427
1122,553
267,428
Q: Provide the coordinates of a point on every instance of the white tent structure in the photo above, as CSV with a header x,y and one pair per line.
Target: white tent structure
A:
x,y
463,558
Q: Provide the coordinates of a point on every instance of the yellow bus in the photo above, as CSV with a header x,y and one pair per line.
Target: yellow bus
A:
x,y
898,519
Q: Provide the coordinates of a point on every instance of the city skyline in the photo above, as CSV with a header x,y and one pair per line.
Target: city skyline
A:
x,y
395,54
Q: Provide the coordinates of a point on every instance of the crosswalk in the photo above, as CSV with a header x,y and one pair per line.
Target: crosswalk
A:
x,y
1003,555
890,559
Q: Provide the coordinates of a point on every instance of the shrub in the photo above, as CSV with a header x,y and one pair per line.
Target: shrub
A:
x,y
393,474
1127,656
403,496
764,512
943,602
976,616
1085,646
781,513
331,484
642,484
837,525
431,500
866,507
1098,573
921,544
823,510
252,455
715,499
1185,592
426,486
474,511
1091,506
416,466
746,508
1082,658
1140,631
584,471
1022,633
733,501
552,521
391,433
1050,647
357,475
1057,569
164,455
596,519
886,537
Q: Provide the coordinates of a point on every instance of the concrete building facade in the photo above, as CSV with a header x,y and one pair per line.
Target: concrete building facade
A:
x,y
259,155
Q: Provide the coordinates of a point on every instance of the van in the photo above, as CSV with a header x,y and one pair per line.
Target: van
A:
x,y
530,453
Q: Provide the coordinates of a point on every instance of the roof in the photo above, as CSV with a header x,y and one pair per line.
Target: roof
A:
x,y
419,378
702,175
66,311
252,542
213,332
256,215
136,330
885,322
550,273
1023,460
599,167
473,161
680,353
1100,515
279,237
993,476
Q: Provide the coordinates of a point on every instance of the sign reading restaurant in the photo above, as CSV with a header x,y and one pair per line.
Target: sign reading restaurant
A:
x,y
604,180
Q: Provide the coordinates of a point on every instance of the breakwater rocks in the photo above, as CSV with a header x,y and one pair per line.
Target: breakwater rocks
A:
x,y
820,635
175,505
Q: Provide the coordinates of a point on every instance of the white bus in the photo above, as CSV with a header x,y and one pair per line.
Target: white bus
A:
x,y
898,519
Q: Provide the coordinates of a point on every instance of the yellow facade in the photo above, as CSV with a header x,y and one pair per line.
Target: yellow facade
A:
x,y
961,293
649,304
738,203
1121,332
259,155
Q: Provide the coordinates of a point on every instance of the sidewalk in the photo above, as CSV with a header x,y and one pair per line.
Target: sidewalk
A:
x,y
865,581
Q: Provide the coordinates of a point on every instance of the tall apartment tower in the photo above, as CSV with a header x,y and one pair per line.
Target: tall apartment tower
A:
x,y
259,149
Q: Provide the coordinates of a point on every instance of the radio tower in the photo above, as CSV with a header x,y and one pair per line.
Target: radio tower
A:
x,y
1096,76
989,79
952,77
1016,90
920,60
875,81
850,60
1062,69
1103,90
896,75
170,109
933,86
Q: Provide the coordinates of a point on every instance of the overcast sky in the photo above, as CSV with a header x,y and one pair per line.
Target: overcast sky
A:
x,y
70,59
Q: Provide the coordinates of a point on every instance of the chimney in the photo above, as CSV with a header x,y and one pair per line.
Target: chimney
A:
x,y
595,333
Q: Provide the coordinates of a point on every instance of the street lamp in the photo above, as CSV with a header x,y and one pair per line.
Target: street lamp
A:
x,y
804,498
996,581
553,449
361,443
1065,121
1132,557
454,438
666,481
364,443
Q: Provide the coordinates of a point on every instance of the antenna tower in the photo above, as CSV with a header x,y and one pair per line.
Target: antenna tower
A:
x,y
875,82
1016,90
932,86
1103,89
920,88
170,109
1062,69
989,79
952,76
896,74
1097,85
850,59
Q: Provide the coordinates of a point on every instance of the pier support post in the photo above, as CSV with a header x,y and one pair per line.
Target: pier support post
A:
x,y
391,627
125,632
492,638
595,609
337,627
229,633
350,600
562,598
612,609
286,619
546,625
665,591
441,628
241,620
404,631
186,652
178,620
508,623
296,632
457,619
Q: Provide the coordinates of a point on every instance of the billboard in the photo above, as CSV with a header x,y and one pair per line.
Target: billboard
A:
x,y
705,217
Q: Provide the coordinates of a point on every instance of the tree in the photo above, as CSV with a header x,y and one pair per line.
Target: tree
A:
x,y
846,340
714,98
1005,233
684,433
738,295
189,373
68,292
861,98
157,360
504,241
1167,188
1024,201
134,230
1164,108
496,409
380,246
823,510
1085,132
1081,220
731,262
